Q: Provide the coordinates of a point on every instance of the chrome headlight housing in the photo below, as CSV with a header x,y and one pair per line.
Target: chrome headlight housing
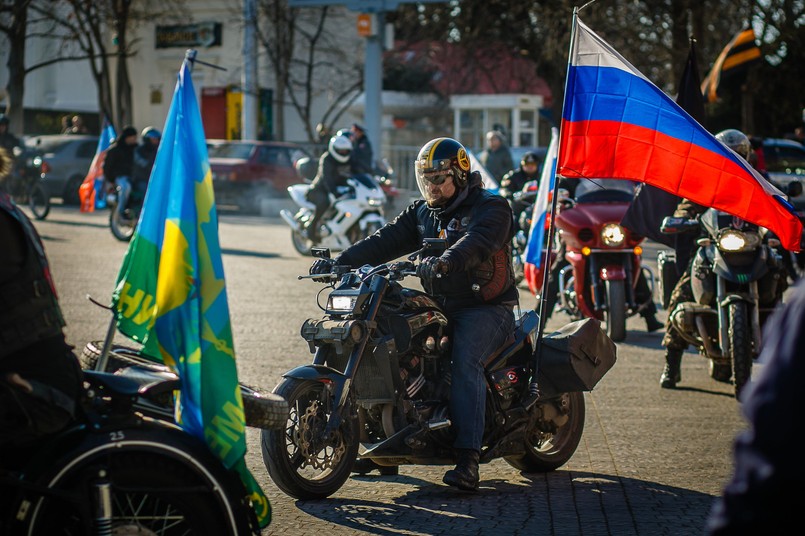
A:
x,y
375,201
732,240
612,235
341,303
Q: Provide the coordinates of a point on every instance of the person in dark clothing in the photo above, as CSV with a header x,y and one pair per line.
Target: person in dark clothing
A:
x,y
514,181
675,344
765,488
119,162
334,169
8,141
475,284
497,159
143,158
362,159
40,378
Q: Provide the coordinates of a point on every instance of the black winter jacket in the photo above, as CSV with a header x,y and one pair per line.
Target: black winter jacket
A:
x,y
119,161
478,227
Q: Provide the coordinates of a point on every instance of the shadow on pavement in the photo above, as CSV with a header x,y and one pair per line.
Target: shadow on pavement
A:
x,y
79,223
561,502
245,253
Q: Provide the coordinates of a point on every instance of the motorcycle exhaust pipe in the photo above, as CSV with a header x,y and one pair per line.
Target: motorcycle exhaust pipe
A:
x,y
289,219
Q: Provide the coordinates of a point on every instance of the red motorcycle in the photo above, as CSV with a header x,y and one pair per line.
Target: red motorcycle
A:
x,y
601,277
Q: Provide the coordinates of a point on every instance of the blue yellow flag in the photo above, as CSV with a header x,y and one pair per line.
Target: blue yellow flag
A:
x,y
171,293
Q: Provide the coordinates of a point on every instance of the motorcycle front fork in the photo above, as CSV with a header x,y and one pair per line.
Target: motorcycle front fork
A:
x,y
723,320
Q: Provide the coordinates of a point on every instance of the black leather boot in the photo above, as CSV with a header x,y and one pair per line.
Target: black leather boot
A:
x,y
652,324
465,475
672,374
365,465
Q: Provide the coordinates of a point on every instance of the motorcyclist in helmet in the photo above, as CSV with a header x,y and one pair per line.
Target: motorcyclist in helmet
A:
x,y
334,169
473,279
514,181
144,156
119,162
674,344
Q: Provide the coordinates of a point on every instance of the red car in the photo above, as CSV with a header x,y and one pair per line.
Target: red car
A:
x,y
246,172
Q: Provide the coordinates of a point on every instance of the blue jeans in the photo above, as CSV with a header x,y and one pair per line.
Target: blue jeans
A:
x,y
124,190
477,333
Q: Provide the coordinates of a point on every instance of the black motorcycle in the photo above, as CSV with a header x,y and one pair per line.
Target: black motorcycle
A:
x,y
115,471
737,277
379,385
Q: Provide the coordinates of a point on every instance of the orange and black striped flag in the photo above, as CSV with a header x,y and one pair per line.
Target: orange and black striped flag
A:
x,y
737,56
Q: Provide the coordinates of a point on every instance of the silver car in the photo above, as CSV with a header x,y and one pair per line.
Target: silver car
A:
x,y
65,161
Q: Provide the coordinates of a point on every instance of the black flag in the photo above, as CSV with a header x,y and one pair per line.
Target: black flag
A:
x,y
651,204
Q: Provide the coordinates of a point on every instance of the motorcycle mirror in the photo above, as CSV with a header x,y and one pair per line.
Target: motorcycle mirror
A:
x,y
321,253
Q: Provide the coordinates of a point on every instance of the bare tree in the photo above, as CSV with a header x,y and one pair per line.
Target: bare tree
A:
x,y
13,23
306,56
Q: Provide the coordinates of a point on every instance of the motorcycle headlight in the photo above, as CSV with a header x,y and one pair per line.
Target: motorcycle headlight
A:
x,y
341,303
375,201
612,234
732,240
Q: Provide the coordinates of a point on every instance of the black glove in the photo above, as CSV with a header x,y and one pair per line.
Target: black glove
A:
x,y
322,266
431,267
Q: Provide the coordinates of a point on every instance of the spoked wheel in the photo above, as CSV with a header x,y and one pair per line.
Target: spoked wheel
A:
x,y
554,439
615,315
301,244
303,460
122,228
260,409
39,202
150,494
740,344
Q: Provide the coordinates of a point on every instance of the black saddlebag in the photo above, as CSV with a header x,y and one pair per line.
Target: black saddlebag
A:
x,y
575,358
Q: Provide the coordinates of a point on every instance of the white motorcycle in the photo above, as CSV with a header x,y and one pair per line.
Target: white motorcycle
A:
x,y
355,212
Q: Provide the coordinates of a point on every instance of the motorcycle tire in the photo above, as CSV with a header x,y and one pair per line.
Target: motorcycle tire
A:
x,y
39,202
615,315
301,244
160,484
299,460
740,340
546,450
121,229
260,409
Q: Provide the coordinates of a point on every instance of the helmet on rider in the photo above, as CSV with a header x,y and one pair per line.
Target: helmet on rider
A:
x,y
150,133
438,160
529,163
340,148
737,141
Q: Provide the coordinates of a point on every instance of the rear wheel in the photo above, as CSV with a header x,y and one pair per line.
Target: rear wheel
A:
x,y
740,344
39,202
304,461
122,228
720,372
260,409
615,315
555,437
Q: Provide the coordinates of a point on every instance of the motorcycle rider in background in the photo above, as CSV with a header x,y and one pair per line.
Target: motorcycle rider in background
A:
x,y
473,279
514,181
8,141
674,344
334,169
40,379
362,159
143,159
118,164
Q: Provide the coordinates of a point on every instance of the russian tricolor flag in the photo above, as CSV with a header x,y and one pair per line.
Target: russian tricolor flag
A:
x,y
617,124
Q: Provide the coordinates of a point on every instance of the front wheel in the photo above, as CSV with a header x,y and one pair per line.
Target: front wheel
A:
x,y
740,340
615,316
303,460
122,227
554,438
301,244
39,202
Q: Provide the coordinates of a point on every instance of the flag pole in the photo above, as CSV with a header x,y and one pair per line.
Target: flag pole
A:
x,y
533,388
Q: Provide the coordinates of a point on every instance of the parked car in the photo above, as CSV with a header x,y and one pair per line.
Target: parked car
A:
x,y
65,160
246,172
785,162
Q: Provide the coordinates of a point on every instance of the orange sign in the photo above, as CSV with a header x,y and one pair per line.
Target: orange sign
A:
x,y
364,25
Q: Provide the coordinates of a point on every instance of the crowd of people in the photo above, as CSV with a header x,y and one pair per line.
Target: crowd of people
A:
x,y
472,278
